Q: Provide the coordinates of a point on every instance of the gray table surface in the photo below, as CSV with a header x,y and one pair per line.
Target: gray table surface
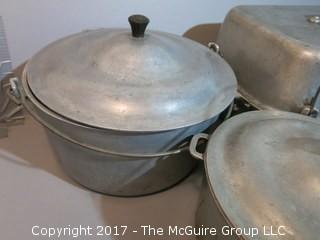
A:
x,y
36,192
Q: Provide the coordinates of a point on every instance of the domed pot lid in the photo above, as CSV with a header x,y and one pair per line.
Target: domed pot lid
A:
x,y
131,80
263,170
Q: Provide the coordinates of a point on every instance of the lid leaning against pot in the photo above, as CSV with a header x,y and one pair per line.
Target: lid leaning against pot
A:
x,y
263,169
122,80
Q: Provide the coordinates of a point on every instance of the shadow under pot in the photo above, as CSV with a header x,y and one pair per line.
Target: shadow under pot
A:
x,y
121,105
262,182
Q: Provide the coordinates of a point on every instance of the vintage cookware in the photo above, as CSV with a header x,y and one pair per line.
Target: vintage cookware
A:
x,y
275,53
262,172
121,105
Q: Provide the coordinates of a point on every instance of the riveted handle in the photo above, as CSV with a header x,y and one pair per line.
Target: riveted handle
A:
x,y
215,47
314,19
312,108
14,87
194,143
138,25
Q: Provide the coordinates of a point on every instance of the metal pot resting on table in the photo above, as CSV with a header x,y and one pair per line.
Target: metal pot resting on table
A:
x,y
275,54
120,105
263,177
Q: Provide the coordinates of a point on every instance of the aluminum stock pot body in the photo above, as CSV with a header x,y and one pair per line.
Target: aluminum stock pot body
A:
x,y
262,177
117,173
121,105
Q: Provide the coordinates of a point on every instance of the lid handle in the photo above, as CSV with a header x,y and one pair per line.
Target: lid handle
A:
x,y
138,25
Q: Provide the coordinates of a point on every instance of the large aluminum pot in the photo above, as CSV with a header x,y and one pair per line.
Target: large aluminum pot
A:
x,y
263,177
121,106
274,51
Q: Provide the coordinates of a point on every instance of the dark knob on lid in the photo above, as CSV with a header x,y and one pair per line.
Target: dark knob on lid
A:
x,y
138,25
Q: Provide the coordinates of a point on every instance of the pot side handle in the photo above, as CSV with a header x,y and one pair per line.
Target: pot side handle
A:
x,y
194,143
215,48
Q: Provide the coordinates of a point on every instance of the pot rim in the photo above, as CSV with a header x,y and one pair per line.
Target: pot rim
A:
x,y
27,93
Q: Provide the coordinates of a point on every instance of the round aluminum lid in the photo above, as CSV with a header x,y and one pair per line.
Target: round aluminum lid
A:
x,y
263,169
107,78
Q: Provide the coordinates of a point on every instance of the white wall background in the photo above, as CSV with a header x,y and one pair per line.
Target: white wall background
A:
x,y
31,24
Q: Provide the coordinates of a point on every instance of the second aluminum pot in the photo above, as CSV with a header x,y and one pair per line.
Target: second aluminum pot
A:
x,y
274,52
263,179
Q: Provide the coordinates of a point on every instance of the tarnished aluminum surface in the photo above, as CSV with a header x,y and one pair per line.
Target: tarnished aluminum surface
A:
x,y
133,169
115,174
275,53
106,78
263,170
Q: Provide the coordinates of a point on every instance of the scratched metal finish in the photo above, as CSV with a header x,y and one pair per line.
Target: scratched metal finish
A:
x,y
263,170
275,53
